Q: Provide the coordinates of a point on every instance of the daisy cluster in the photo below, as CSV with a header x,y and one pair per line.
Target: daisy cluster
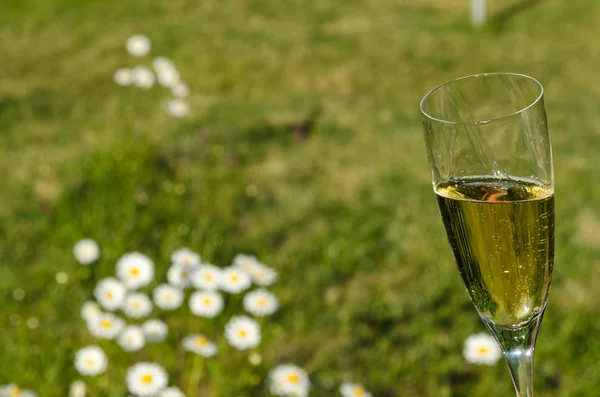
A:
x,y
163,71
127,308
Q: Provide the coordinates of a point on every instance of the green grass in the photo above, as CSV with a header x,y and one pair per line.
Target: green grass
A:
x,y
368,288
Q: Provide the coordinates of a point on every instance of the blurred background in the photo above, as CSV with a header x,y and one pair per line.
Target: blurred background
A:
x,y
300,142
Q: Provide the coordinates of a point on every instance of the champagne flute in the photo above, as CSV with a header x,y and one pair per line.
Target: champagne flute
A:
x,y
491,164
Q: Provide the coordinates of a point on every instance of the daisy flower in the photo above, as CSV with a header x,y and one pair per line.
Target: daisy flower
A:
x,y
289,380
206,304
481,348
146,379
132,338
242,332
260,303
137,305
142,77
166,72
135,270
155,330
207,277
172,391
123,77
106,326
354,390
77,389
179,275
90,361
177,107
245,262
185,257
110,293
12,390
167,297
86,251
255,358
90,310
199,344
263,275
138,45
234,280
181,90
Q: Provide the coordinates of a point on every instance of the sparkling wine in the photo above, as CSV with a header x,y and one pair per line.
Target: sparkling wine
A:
x,y
502,235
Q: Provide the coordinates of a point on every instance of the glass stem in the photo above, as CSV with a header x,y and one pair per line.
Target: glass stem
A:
x,y
518,345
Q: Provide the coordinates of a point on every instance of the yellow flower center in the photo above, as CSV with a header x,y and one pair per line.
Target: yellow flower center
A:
x,y
201,341
207,301
482,350
294,378
208,277
168,296
186,261
235,278
90,362
359,391
109,295
134,271
136,305
184,274
147,379
106,324
262,302
14,391
243,333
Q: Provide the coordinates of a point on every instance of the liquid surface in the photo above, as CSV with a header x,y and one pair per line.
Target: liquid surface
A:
x,y
502,235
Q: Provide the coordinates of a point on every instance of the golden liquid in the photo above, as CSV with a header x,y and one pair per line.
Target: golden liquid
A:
x,y
502,235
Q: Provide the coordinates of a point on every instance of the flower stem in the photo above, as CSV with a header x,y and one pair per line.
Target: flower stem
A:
x,y
195,376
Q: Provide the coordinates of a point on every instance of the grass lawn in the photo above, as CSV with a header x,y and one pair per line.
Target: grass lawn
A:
x,y
367,284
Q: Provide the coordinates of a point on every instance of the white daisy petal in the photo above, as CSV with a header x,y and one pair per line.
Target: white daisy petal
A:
x,y
166,72
185,257
234,280
206,277
86,251
179,275
137,305
242,332
172,391
260,303
12,390
167,297
263,275
482,348
138,45
106,326
77,389
177,107
206,304
245,262
110,293
90,310
155,330
181,90
132,338
135,270
146,379
90,361
289,380
142,77
354,390
199,344
123,77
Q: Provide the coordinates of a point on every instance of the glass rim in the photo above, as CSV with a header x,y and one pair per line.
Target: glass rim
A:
x,y
477,122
